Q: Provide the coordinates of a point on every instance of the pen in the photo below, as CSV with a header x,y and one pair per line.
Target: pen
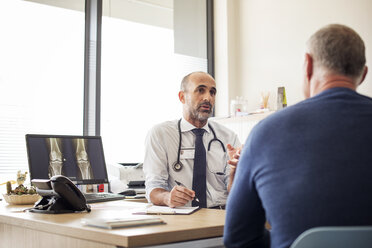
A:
x,y
180,184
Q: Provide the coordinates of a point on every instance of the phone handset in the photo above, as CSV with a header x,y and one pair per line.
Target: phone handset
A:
x,y
60,195
67,190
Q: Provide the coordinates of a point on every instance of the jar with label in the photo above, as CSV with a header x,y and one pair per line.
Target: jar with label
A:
x,y
237,106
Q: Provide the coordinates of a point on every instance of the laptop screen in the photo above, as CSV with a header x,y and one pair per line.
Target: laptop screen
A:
x,y
79,158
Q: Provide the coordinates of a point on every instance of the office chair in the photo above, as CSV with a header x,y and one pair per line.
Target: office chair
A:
x,y
335,237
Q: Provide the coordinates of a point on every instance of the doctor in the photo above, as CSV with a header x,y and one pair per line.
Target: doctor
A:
x,y
187,160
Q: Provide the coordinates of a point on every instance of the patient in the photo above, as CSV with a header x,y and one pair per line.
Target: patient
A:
x,y
310,164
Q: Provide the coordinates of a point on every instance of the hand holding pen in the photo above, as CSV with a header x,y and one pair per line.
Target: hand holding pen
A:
x,y
179,196
180,184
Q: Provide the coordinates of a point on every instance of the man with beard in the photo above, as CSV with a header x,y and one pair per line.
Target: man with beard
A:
x,y
186,160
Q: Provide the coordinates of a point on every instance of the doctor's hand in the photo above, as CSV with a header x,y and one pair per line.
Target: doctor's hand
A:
x,y
234,155
179,196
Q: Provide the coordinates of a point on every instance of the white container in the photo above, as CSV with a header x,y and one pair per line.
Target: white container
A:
x,y
238,107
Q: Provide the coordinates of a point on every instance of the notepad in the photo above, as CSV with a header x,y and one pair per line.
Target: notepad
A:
x,y
120,222
152,209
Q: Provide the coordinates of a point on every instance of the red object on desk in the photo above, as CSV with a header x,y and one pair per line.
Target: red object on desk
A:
x,y
101,188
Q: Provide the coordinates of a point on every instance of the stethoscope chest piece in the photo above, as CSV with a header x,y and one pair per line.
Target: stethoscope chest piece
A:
x,y
177,166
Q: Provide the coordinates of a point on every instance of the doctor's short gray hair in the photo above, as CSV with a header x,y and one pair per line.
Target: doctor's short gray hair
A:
x,y
186,79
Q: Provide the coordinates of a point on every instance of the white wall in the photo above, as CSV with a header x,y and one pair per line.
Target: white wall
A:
x,y
267,43
153,12
190,28
142,11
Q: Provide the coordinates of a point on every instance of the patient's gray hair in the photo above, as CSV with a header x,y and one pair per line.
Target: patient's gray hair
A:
x,y
339,49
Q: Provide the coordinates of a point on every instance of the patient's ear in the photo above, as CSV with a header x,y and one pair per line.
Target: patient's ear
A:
x,y
308,67
307,74
365,71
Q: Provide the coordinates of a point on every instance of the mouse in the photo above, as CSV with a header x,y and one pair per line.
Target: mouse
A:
x,y
128,192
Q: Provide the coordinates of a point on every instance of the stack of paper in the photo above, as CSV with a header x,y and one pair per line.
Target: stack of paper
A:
x,y
110,223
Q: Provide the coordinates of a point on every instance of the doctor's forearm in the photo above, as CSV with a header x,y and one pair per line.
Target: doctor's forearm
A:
x,y
159,196
231,179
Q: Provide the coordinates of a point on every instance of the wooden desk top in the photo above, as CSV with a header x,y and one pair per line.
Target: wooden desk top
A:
x,y
204,223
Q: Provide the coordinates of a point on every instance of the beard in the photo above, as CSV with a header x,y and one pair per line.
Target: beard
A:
x,y
199,114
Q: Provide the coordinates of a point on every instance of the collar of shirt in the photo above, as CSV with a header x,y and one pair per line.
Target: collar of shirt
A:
x,y
187,126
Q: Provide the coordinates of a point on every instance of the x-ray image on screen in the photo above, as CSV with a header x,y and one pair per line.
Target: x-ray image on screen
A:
x,y
80,158
55,156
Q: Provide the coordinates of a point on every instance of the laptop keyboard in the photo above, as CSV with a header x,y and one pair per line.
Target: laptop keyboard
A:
x,y
102,197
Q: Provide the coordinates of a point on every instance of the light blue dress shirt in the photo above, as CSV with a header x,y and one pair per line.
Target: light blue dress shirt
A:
x,y
161,154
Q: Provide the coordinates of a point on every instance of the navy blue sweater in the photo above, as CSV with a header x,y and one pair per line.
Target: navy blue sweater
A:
x,y
305,166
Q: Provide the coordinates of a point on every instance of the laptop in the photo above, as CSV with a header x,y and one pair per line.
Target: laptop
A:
x,y
80,158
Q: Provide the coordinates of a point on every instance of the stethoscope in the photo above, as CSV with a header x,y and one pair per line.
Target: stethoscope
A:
x,y
177,166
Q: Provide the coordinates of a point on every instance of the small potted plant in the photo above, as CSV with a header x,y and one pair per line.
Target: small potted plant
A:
x,y
21,194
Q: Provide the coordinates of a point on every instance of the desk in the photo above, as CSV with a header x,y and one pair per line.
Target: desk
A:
x,y
26,229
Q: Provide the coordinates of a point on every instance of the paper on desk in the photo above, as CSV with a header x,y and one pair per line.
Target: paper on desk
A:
x,y
119,222
152,209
